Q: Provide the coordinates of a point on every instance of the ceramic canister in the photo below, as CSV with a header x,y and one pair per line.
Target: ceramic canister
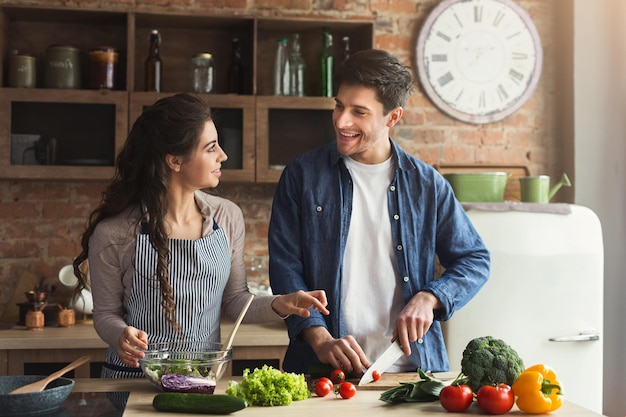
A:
x,y
62,67
22,71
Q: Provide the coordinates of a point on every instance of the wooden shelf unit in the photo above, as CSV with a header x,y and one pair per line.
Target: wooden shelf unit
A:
x,y
259,131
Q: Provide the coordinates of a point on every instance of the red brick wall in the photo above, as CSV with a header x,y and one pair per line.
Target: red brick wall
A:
x,y
40,223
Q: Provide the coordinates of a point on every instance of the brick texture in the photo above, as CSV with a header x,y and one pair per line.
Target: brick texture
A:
x,y
40,222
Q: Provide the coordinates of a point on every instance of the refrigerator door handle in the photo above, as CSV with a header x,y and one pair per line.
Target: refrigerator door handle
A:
x,y
582,337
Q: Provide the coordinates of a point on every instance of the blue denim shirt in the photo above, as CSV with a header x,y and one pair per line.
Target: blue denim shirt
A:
x,y
307,237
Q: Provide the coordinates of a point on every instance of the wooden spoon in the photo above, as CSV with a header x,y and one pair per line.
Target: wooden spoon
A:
x,y
219,372
40,385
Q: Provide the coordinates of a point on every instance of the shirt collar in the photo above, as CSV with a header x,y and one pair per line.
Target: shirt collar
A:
x,y
404,163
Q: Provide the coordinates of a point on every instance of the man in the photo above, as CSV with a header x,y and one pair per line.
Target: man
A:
x,y
365,221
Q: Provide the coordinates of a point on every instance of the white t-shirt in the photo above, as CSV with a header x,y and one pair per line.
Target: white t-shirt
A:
x,y
371,298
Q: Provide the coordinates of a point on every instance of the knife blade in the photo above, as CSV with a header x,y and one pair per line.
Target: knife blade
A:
x,y
384,361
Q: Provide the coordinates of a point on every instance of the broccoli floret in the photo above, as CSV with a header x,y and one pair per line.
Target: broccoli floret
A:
x,y
489,361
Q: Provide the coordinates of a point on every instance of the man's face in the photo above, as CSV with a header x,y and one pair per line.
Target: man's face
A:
x,y
361,127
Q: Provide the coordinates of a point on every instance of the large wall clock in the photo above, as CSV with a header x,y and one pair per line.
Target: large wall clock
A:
x,y
478,61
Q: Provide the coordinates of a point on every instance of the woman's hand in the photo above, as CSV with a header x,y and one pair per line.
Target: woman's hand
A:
x,y
300,302
130,345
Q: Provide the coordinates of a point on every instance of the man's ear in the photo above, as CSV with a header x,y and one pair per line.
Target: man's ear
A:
x,y
394,116
173,162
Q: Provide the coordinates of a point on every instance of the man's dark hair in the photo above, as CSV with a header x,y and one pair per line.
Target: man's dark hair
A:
x,y
380,70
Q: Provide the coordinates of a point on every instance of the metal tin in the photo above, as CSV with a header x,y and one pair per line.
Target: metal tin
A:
x,y
22,71
62,68
203,73
103,68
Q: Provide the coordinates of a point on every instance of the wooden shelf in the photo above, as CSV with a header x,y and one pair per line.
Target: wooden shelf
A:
x,y
259,132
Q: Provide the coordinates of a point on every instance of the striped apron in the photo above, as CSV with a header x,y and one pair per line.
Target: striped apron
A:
x,y
199,270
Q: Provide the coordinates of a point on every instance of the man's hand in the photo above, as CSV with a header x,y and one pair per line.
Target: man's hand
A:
x,y
344,353
415,319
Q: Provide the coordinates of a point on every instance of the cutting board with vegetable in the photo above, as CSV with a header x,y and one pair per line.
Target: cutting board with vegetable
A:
x,y
390,380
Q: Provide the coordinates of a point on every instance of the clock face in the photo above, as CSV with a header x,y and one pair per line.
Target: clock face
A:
x,y
478,60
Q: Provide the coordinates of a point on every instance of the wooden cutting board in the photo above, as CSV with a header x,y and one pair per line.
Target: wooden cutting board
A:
x,y
389,380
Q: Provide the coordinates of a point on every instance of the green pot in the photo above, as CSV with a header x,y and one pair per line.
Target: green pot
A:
x,y
478,187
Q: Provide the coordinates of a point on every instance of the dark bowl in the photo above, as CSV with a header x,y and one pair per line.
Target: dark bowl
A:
x,y
35,403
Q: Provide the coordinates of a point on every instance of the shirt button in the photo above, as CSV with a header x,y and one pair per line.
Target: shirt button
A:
x,y
405,279
392,188
318,208
420,341
399,247
396,217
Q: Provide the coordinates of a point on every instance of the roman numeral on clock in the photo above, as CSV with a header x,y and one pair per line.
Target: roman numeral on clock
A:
x,y
445,79
498,18
478,14
502,94
443,36
516,76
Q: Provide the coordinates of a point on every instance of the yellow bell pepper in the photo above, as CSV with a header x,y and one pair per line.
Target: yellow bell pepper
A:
x,y
537,390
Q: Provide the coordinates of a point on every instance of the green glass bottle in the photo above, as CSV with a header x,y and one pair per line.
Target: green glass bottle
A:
x,y
326,64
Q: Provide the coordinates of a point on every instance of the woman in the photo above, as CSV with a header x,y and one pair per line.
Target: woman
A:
x,y
166,258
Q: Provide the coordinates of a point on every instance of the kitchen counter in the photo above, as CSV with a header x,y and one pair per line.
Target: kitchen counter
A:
x,y
365,403
19,346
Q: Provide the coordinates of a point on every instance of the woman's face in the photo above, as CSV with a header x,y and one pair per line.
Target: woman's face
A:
x,y
203,168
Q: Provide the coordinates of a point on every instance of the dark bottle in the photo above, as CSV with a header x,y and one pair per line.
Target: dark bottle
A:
x,y
326,65
154,65
235,70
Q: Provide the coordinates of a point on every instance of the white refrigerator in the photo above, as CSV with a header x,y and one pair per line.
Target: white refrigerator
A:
x,y
543,297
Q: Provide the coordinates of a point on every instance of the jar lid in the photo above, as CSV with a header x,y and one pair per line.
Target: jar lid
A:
x,y
203,55
64,47
27,57
103,49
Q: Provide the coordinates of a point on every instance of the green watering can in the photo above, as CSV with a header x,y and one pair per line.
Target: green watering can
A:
x,y
537,189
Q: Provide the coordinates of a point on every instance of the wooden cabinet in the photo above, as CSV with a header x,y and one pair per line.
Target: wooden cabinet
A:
x,y
82,130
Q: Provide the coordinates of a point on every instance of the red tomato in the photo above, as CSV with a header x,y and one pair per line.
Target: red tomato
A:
x,y
375,375
347,390
495,399
337,376
325,380
323,387
456,397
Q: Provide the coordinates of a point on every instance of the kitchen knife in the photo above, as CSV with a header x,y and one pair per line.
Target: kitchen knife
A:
x,y
388,358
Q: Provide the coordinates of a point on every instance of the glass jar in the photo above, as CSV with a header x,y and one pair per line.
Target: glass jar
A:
x,y
22,70
103,68
203,73
62,69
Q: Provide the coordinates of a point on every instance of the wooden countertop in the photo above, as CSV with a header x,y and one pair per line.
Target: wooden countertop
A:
x,y
365,403
84,336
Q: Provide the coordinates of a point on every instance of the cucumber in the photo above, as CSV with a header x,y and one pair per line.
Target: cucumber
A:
x,y
180,402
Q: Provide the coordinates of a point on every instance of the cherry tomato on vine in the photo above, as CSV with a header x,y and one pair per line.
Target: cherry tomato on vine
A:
x,y
323,387
337,376
375,376
347,390
497,399
456,398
